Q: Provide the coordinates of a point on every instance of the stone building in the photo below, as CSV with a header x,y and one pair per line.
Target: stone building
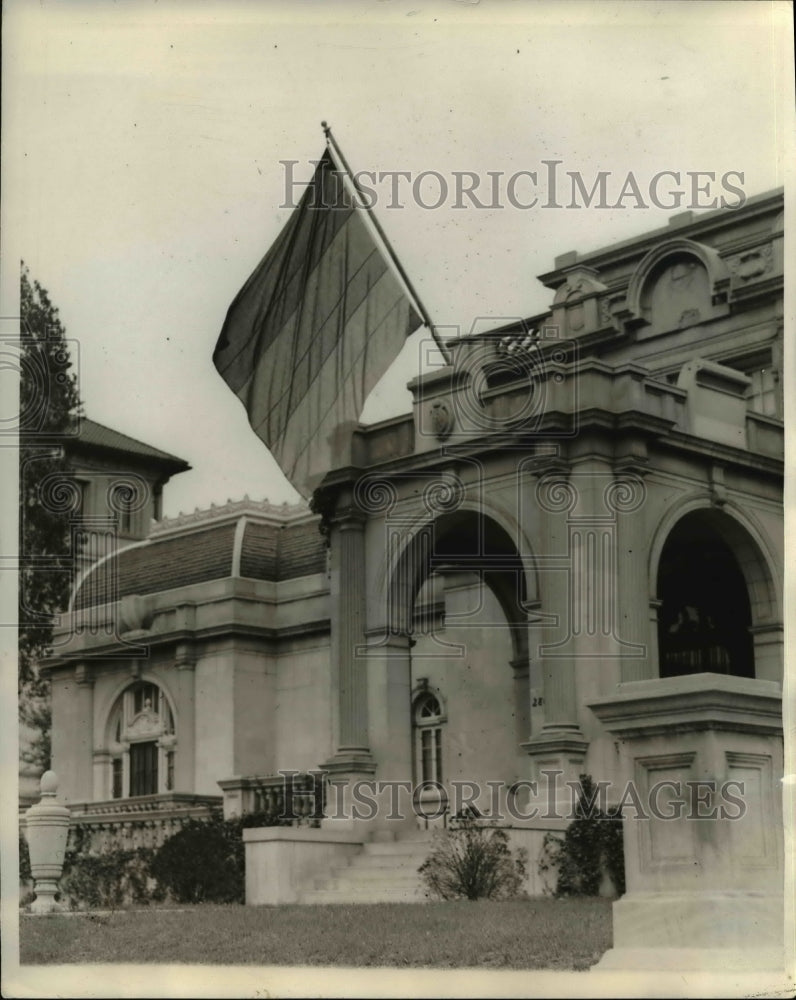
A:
x,y
114,494
567,558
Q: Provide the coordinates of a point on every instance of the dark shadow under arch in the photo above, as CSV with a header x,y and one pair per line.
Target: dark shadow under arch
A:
x,y
468,541
715,589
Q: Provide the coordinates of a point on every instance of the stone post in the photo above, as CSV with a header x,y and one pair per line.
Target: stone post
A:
x,y
703,834
47,829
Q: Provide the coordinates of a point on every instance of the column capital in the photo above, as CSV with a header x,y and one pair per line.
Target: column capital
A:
x,y
348,518
84,675
185,656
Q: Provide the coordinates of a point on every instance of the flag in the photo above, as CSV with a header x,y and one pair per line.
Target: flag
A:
x,y
312,331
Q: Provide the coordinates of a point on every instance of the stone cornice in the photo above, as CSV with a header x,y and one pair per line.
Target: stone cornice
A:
x,y
118,650
693,702
635,248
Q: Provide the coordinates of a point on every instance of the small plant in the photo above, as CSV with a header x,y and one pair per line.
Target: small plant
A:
x,y
591,848
473,860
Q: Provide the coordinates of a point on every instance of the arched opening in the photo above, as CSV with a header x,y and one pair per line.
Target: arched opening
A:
x,y
465,541
460,591
715,595
141,742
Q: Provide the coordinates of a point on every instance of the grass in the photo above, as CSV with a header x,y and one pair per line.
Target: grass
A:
x,y
566,934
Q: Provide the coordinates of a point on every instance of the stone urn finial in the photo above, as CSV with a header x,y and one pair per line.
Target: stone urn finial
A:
x,y
47,828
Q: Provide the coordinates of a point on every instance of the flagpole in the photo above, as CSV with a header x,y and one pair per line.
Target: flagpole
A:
x,y
332,142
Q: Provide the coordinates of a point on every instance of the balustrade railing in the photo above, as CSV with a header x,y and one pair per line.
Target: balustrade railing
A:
x,y
143,821
288,799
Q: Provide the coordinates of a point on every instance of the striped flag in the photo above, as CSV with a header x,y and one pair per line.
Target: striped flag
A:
x,y
311,332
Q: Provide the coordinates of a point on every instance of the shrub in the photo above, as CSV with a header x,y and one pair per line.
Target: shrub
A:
x,y
202,862
591,848
108,880
472,860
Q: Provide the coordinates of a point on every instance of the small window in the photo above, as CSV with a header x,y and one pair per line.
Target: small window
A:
x,y
428,708
762,394
146,697
428,719
765,393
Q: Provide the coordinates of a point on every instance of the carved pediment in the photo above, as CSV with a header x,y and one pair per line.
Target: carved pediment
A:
x,y
146,723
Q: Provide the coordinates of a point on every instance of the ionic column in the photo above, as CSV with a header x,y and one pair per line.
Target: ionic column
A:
x,y
349,660
559,745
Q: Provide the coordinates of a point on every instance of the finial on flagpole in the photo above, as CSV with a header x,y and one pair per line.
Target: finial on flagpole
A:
x,y
326,128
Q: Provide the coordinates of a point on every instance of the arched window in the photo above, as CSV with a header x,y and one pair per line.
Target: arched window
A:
x,y
705,616
142,740
428,721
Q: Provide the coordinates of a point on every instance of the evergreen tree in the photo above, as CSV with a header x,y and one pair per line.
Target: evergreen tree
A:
x,y
49,405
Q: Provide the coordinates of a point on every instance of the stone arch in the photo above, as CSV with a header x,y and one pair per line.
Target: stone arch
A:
x,y
153,732
710,278
108,704
470,540
752,555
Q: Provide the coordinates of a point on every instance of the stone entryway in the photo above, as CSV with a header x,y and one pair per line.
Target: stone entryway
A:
x,y
382,872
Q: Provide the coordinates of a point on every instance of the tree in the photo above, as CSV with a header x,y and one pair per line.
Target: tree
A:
x,y
49,404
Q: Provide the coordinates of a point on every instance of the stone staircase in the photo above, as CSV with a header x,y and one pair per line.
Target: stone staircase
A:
x,y
383,872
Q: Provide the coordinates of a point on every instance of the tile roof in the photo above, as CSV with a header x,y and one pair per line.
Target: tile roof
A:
x,y
97,435
270,550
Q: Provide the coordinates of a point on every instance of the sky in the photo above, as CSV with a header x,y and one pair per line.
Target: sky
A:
x,y
142,180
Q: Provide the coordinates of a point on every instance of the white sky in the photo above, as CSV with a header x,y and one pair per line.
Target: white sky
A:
x,y
141,174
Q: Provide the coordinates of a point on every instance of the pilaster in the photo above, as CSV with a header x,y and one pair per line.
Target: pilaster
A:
x,y
84,725
185,679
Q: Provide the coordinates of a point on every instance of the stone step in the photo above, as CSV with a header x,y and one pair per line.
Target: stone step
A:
x,y
384,862
384,871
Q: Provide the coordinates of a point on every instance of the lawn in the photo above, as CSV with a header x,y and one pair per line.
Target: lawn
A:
x,y
567,934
